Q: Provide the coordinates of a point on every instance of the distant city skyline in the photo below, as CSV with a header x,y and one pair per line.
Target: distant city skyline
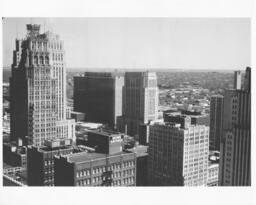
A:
x,y
150,43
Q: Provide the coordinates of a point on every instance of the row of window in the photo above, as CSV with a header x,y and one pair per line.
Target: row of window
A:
x,y
99,170
49,171
48,162
57,56
41,60
125,181
45,45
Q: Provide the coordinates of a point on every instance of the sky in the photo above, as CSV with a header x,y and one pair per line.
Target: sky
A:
x,y
151,43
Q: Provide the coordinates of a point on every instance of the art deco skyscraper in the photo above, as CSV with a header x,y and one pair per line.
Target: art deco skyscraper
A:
x,y
216,112
38,89
140,101
235,152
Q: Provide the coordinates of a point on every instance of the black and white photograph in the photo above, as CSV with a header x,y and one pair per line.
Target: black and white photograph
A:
x,y
142,102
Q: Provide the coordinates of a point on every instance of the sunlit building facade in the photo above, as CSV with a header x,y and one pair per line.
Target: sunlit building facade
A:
x,y
38,89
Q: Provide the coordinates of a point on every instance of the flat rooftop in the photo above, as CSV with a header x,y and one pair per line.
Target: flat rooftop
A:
x,y
105,132
49,149
140,150
89,125
75,112
85,156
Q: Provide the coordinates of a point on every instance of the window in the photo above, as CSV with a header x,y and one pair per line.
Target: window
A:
x,y
47,60
41,60
35,60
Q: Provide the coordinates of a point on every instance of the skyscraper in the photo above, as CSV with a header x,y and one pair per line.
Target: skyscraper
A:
x,y
140,101
216,118
38,89
178,155
99,96
237,80
235,152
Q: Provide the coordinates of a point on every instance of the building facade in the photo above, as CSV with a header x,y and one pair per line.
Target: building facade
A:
x,y
15,156
178,156
99,96
216,121
213,168
141,164
95,169
106,142
140,101
38,89
40,161
235,152
213,174
237,80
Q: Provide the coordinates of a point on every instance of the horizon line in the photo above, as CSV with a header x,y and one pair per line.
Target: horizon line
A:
x,y
100,69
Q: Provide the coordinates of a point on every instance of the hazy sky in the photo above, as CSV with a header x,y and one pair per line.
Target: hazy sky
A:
x,y
186,43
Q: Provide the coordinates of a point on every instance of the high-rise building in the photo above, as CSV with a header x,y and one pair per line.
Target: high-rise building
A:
x,y
216,120
99,96
178,156
140,102
38,89
238,80
235,152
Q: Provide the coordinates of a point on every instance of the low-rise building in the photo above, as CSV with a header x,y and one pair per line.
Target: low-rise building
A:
x,y
95,169
40,161
141,164
213,173
14,155
213,168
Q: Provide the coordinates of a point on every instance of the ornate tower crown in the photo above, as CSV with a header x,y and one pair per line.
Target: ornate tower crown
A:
x,y
33,30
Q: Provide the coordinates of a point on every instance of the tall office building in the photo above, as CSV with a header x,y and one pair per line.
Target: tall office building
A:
x,y
140,102
235,152
38,89
99,96
237,80
216,119
178,155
